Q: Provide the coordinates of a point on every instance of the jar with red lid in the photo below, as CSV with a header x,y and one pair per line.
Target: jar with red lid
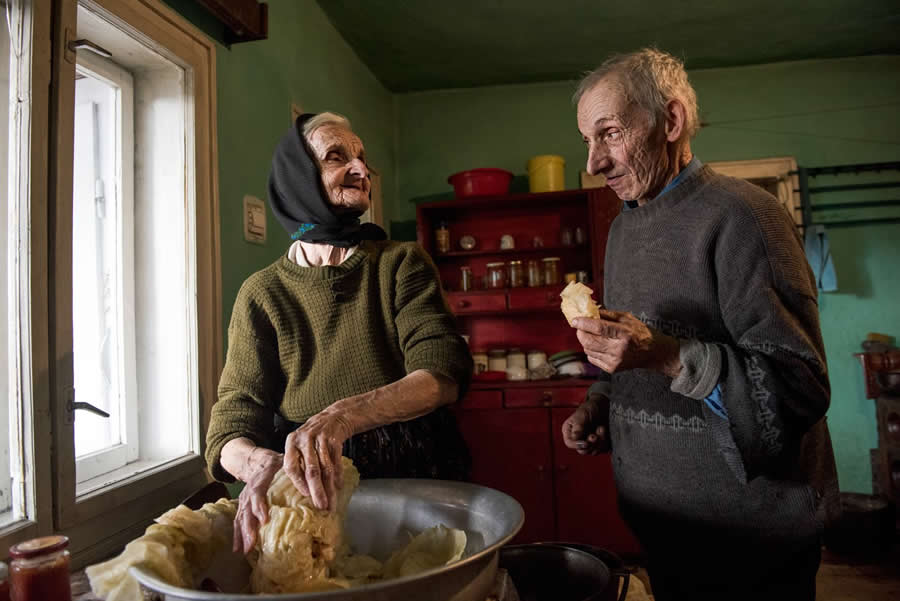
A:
x,y
39,569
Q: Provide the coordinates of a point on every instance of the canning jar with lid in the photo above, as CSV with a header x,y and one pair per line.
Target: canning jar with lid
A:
x,y
496,275
551,271
39,569
535,275
516,274
515,358
497,360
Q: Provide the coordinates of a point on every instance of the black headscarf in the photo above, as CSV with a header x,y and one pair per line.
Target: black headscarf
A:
x,y
301,204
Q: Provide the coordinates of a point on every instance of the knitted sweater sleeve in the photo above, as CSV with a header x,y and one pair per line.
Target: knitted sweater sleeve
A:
x,y
773,374
252,382
426,329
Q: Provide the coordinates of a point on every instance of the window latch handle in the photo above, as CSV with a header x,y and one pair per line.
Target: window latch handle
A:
x,y
88,407
89,45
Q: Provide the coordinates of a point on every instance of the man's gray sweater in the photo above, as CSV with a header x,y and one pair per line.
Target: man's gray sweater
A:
x,y
717,263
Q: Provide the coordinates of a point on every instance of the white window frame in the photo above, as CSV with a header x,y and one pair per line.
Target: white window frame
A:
x,y
100,522
106,460
28,187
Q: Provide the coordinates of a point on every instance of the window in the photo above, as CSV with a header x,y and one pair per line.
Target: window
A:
x,y
106,428
109,275
25,503
135,265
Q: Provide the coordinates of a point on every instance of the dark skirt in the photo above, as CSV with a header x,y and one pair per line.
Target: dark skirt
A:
x,y
430,446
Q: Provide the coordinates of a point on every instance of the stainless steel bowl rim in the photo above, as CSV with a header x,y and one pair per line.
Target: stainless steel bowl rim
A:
x,y
149,579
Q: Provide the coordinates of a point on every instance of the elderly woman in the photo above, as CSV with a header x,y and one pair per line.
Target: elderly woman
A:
x,y
344,345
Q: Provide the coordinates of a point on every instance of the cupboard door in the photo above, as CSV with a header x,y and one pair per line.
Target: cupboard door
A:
x,y
482,399
587,511
511,452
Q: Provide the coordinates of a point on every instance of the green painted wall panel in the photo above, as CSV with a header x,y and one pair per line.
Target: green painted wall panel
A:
x,y
304,60
821,112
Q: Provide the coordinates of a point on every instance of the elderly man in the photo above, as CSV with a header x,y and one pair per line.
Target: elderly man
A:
x,y
344,345
715,407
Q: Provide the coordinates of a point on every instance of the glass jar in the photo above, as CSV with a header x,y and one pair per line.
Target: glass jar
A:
x,y
39,569
536,359
480,359
497,360
580,237
516,274
570,277
496,275
535,275
565,237
442,238
515,358
465,278
551,271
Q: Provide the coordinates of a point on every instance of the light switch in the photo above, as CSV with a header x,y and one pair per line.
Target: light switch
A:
x,y
254,220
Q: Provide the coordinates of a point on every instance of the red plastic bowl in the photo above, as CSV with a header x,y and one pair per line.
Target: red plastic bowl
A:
x,y
486,181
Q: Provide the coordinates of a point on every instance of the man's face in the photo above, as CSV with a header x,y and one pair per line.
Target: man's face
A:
x,y
342,161
621,143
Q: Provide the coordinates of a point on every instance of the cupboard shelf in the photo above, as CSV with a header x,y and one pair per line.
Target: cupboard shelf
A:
x,y
548,250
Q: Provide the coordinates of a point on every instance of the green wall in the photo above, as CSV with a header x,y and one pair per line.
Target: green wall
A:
x,y
304,60
821,112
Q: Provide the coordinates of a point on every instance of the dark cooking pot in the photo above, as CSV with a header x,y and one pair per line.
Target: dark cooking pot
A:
x,y
563,572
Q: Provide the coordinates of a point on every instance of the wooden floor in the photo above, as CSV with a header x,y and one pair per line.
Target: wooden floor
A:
x,y
839,579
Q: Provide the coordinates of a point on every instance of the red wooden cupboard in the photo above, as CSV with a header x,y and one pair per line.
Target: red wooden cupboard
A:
x,y
513,428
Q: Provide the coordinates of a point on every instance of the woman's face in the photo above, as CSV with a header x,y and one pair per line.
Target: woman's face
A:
x,y
342,161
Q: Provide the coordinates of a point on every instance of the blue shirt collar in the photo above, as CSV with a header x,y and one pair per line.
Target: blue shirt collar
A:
x,y
690,168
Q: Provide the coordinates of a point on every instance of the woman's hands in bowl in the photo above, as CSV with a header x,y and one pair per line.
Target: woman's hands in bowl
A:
x,y
253,510
312,457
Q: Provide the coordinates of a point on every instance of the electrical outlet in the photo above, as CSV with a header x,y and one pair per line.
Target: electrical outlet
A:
x,y
254,220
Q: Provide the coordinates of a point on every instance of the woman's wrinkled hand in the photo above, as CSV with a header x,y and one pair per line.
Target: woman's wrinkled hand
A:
x,y
253,510
618,341
312,457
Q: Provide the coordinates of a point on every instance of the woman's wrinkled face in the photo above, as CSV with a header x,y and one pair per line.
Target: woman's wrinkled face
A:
x,y
621,143
342,161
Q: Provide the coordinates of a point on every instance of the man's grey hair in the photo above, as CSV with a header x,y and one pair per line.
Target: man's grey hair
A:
x,y
651,79
323,119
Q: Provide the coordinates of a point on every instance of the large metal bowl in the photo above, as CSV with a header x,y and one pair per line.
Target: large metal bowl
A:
x,y
381,516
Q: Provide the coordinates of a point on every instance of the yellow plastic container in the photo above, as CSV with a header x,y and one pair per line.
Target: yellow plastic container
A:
x,y
546,173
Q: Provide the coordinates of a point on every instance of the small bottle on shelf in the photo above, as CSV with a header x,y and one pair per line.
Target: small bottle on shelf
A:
x,y
442,238
465,278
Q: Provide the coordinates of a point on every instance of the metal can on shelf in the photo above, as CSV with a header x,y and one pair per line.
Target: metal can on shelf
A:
x,y
551,270
516,274
496,275
497,360
465,278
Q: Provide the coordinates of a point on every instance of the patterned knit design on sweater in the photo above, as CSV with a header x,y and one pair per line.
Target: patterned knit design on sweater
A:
x,y
302,338
718,260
